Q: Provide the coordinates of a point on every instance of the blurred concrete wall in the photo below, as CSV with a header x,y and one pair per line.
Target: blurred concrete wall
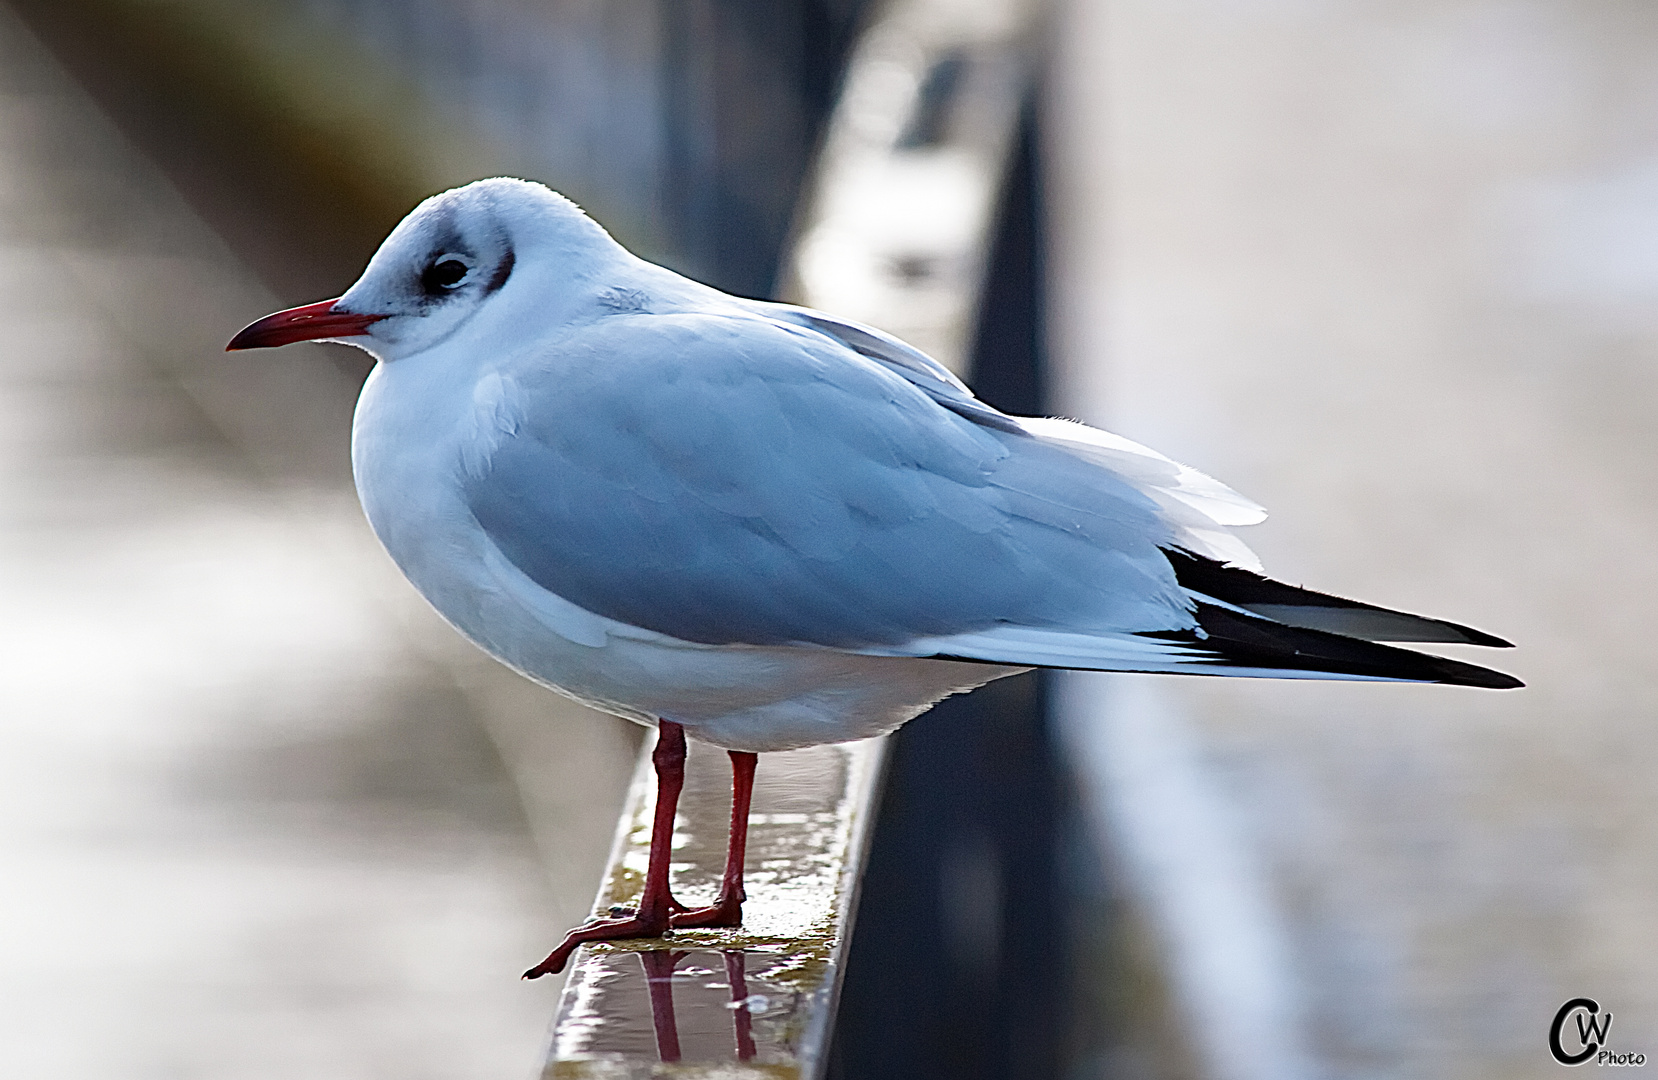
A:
x,y
1392,270
685,126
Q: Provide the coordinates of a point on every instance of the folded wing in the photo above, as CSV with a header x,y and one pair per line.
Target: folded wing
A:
x,y
732,481
789,479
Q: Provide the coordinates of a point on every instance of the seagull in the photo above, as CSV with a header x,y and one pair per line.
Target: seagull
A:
x,y
766,526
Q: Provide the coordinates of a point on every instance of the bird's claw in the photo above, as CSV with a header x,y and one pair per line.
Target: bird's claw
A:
x,y
722,913
599,930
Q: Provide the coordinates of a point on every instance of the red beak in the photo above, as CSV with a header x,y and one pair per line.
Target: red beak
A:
x,y
306,323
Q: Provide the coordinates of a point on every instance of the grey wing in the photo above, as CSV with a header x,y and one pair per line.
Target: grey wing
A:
x,y
1195,506
729,480
931,377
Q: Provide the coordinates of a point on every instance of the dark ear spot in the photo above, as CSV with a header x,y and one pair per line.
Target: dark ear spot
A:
x,y
503,270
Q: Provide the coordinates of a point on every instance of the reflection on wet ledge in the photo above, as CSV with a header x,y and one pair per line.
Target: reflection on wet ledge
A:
x,y
689,1008
750,1002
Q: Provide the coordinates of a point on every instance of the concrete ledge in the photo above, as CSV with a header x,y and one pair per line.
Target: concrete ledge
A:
x,y
751,1002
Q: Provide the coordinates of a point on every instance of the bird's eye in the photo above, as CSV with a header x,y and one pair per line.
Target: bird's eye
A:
x,y
444,274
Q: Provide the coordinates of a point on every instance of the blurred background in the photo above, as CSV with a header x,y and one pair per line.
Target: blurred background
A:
x,y
1389,267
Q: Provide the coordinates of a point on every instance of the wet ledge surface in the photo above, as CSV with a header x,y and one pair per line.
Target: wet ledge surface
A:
x,y
757,1001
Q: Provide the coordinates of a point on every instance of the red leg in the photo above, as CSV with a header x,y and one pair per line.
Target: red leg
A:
x,y
655,906
728,907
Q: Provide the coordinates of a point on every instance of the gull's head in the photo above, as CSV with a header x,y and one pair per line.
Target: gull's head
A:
x,y
446,266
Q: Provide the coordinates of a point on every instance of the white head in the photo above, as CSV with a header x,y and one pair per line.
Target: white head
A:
x,y
449,263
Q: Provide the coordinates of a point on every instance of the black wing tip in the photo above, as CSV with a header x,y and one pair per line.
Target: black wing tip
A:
x,y
1487,679
1480,637
1457,673
1298,606
1246,640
